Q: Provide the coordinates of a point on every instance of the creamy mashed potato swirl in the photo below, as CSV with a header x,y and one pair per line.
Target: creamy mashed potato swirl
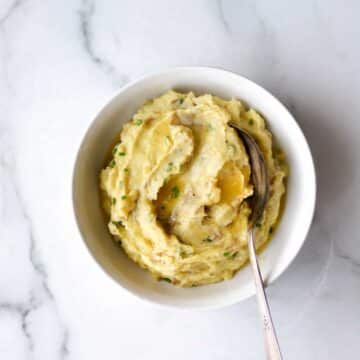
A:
x,y
177,187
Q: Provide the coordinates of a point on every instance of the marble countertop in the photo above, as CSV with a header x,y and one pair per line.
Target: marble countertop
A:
x,y
60,61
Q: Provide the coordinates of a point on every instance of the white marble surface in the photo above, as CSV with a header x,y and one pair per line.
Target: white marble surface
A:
x,y
59,63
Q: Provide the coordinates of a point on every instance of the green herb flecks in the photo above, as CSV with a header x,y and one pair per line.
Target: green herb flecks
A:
x,y
114,150
251,122
126,169
210,127
122,153
117,223
179,102
230,255
207,239
175,192
112,163
258,225
271,230
113,201
123,197
138,122
165,279
170,166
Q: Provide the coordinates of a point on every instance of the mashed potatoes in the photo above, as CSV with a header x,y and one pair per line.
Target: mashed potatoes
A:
x,y
177,186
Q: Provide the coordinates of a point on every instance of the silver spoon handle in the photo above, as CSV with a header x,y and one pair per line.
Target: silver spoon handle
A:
x,y
272,347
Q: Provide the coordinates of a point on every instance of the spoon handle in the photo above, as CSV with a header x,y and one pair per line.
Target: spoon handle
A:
x,y
272,347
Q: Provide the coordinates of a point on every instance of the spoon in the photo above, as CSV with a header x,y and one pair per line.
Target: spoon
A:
x,y
260,181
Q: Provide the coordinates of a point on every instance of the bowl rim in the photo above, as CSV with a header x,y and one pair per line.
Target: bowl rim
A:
x,y
148,76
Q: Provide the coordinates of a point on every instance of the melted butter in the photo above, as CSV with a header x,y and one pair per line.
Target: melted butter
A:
x,y
168,196
231,182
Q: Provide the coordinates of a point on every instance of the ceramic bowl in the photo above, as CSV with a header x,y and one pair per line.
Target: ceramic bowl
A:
x,y
300,199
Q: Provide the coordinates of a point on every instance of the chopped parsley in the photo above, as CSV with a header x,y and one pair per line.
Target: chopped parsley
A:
x,y
112,163
170,166
230,255
123,197
175,192
258,225
138,122
126,169
165,279
251,122
113,201
114,150
122,153
271,230
207,239
210,127
179,101
117,223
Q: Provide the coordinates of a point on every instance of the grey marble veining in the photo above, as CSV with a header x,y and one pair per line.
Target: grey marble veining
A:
x,y
26,307
60,62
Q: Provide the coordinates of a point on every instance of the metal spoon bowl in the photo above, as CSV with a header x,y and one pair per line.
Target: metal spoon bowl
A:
x,y
260,179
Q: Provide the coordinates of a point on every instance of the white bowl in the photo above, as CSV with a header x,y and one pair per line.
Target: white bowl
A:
x,y
300,199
